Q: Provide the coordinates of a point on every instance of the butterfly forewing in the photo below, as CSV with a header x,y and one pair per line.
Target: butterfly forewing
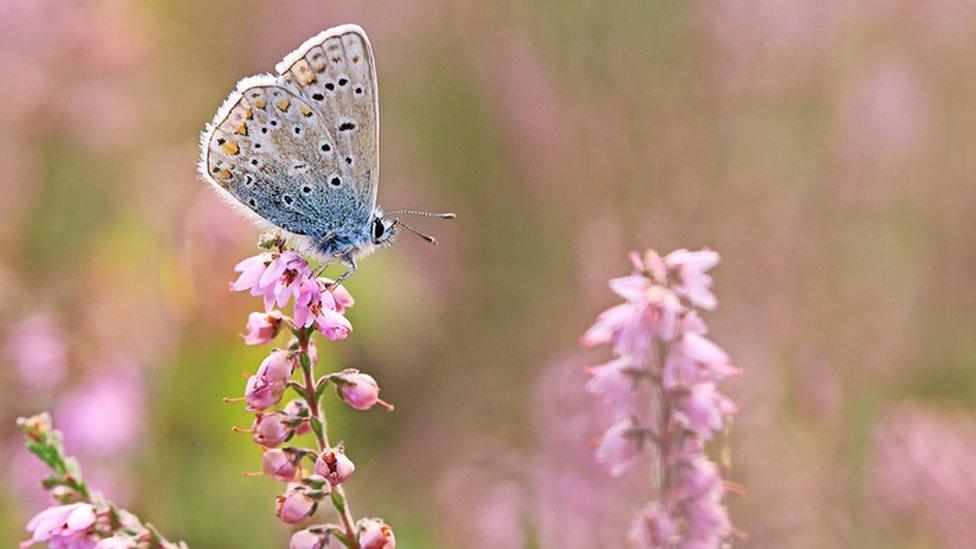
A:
x,y
335,73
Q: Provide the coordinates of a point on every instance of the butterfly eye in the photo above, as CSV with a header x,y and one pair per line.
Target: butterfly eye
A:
x,y
378,229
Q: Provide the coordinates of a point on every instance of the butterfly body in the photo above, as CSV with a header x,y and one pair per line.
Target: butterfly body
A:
x,y
299,150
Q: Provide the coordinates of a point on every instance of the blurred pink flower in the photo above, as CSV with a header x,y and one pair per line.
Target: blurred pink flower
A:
x,y
693,284
652,527
620,445
663,333
924,472
614,382
36,346
106,415
62,526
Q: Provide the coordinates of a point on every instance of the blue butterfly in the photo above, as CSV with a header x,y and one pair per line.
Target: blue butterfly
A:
x,y
300,150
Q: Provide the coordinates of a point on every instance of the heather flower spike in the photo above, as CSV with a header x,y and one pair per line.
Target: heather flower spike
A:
x,y
280,277
80,517
659,345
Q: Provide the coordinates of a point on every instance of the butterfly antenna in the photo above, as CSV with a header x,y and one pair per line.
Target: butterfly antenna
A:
x,y
439,215
426,237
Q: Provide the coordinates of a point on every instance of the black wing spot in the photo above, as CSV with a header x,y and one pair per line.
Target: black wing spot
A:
x,y
355,59
349,160
326,147
347,126
221,141
335,181
264,130
248,179
359,91
252,203
306,189
254,162
318,96
274,122
287,199
343,81
329,86
298,130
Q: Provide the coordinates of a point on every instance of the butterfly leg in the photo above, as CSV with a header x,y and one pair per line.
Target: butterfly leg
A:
x,y
348,260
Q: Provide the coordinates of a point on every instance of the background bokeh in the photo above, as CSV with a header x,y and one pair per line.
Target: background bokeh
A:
x,y
825,149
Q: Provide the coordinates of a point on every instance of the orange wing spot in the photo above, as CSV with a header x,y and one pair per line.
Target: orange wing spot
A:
x,y
260,103
242,129
230,147
283,105
249,114
223,175
305,110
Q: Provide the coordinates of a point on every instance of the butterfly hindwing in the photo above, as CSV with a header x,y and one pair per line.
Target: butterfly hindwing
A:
x,y
273,152
336,74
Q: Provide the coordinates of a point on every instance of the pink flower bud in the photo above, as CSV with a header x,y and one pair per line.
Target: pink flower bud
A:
x,y
118,541
359,390
375,534
620,446
270,430
279,465
296,409
333,464
307,539
652,527
277,367
295,505
262,327
260,395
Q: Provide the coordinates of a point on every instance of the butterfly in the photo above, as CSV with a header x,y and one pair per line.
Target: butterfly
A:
x,y
299,150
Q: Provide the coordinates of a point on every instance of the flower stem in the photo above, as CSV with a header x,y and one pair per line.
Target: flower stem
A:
x,y
320,427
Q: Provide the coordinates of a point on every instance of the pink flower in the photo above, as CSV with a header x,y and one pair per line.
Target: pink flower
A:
x,y
270,430
614,381
279,465
298,409
620,445
708,521
333,464
262,327
295,505
609,324
375,534
692,358
703,409
277,367
307,539
652,527
260,395
60,525
358,390
332,324
117,542
251,270
693,283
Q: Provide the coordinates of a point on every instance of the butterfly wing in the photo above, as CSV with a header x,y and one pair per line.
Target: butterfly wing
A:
x,y
336,74
272,152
